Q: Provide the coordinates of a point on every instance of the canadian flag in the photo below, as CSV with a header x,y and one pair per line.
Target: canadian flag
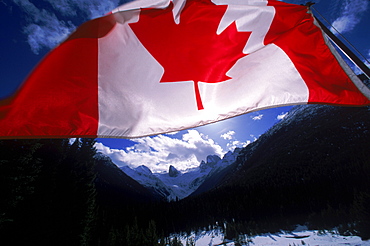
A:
x,y
158,66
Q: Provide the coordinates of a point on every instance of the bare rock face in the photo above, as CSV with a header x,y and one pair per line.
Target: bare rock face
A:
x,y
173,172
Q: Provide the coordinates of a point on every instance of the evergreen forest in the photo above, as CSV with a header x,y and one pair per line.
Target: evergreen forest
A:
x,y
311,171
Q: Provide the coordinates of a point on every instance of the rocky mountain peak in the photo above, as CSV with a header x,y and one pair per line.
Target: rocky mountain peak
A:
x,y
213,159
173,172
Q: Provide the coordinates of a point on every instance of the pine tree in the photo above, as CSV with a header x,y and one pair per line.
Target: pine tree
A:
x,y
19,169
175,242
361,211
190,242
151,234
87,162
79,195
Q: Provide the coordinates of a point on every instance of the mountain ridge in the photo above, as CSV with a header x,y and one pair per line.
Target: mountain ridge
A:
x,y
174,185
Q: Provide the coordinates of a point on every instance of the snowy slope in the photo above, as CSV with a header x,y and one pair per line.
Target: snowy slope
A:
x,y
145,177
300,236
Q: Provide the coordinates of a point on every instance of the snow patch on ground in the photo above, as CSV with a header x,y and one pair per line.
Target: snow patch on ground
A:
x,y
300,236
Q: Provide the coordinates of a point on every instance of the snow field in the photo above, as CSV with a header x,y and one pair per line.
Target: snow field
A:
x,y
301,237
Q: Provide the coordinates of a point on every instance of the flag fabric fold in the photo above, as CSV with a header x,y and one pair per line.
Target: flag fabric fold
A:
x,y
152,67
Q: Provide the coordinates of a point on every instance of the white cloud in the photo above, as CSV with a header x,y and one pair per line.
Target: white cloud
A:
x,y
257,117
233,143
350,15
254,137
159,152
49,26
91,8
282,115
49,35
64,7
237,144
228,135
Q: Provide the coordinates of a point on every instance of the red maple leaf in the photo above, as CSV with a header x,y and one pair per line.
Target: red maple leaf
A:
x,y
191,50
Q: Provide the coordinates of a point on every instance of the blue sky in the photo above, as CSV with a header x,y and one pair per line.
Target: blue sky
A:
x,y
29,29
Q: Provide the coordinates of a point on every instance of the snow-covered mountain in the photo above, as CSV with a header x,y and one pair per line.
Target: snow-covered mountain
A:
x,y
145,177
174,184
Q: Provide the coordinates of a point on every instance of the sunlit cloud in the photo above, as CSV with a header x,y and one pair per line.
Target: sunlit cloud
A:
x,y
48,26
233,142
91,8
257,117
254,137
350,15
228,135
43,28
161,151
237,144
282,115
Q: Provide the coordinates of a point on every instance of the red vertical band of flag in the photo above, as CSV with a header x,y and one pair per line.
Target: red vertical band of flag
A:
x,y
60,97
57,98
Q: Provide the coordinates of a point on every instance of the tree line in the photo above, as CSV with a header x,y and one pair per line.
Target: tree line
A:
x,y
53,191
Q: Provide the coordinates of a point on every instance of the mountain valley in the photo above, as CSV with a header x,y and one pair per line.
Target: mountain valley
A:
x,y
311,168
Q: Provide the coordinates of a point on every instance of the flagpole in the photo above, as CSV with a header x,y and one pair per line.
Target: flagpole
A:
x,y
360,64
